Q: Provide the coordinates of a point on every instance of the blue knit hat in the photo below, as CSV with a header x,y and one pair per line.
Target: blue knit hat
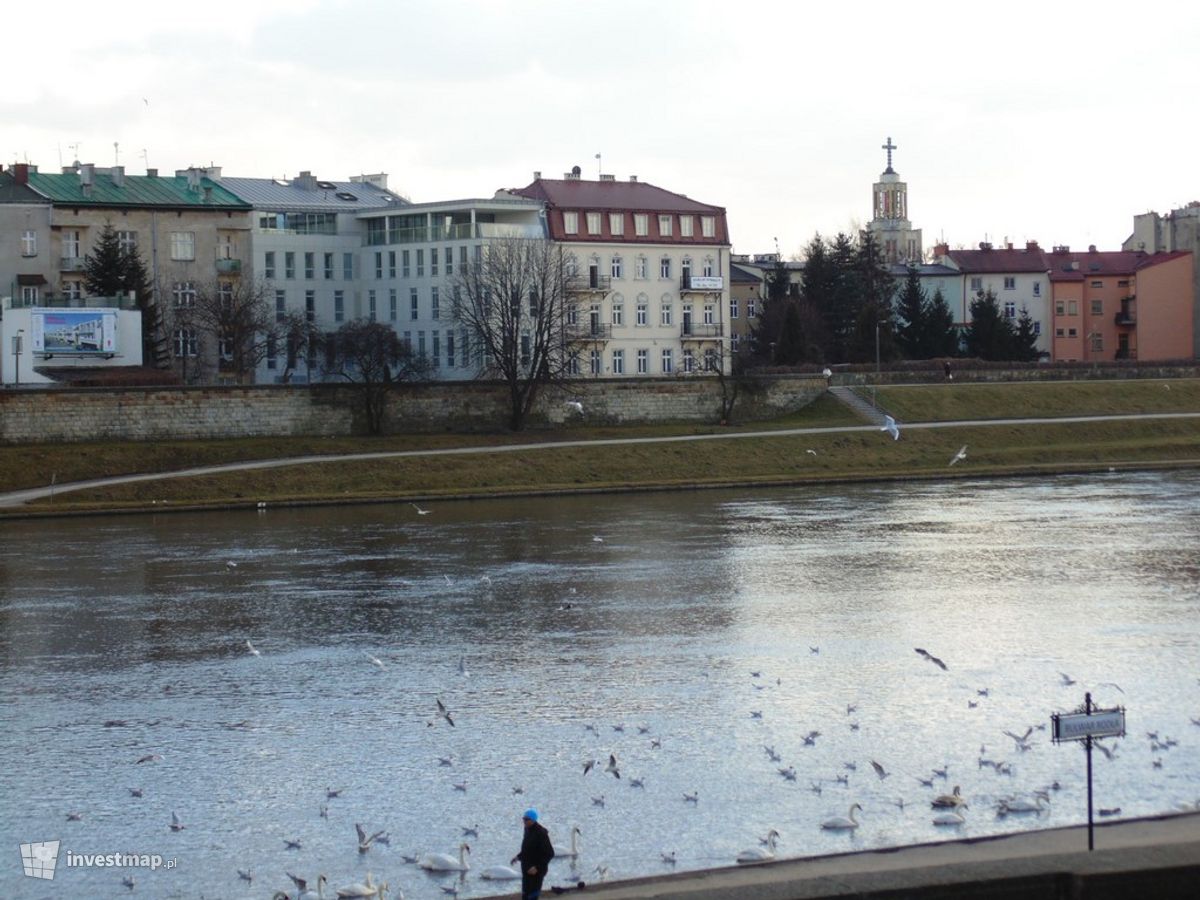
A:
x,y
530,814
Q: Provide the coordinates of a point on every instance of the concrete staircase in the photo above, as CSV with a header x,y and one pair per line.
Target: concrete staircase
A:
x,y
861,407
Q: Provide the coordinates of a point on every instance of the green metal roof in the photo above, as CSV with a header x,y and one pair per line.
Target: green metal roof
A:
x,y
137,190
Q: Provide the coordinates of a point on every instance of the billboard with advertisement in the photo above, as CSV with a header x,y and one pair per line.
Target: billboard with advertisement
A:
x,y
81,332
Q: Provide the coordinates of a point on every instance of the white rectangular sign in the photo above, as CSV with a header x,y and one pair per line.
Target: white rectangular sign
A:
x,y
707,282
1106,723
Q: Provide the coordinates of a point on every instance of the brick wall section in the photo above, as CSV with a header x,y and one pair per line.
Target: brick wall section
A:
x,y
147,414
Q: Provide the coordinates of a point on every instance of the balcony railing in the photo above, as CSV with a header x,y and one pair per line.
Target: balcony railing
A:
x,y
229,266
1125,317
591,281
1126,353
693,332
72,264
702,283
586,331
462,231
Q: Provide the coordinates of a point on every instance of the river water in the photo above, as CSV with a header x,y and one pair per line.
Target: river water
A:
x,y
682,632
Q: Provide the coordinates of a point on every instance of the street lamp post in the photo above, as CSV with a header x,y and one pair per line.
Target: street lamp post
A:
x,y
17,347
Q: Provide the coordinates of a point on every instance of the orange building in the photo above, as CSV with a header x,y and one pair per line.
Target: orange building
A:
x,y
1120,304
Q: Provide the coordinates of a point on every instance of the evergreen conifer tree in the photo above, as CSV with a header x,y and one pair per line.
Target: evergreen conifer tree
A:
x,y
941,335
990,335
912,307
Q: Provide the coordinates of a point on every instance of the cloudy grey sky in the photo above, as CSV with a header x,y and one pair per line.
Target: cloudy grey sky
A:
x,y
1056,121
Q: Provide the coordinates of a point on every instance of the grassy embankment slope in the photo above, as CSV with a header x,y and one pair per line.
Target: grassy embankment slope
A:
x,y
767,459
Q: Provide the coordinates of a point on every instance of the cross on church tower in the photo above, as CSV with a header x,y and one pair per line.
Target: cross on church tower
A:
x,y
889,147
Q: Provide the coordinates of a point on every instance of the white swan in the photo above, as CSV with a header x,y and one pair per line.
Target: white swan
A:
x,y
363,889
442,862
573,853
843,823
318,894
1021,806
760,854
500,873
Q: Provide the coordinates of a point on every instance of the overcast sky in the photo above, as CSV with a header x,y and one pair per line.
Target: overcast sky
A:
x,y
1056,121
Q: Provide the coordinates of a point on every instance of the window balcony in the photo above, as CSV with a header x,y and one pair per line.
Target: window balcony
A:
x,y
585,332
229,267
72,264
694,332
1125,317
588,283
702,283
1126,353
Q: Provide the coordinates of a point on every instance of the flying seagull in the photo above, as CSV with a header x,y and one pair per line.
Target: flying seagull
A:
x,y
444,713
253,650
420,512
889,425
879,770
612,766
933,659
960,455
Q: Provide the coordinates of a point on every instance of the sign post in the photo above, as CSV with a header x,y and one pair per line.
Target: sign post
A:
x,y
1085,726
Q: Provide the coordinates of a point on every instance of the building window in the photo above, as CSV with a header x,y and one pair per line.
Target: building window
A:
x,y
185,342
1060,332
594,364
1072,332
573,363
328,260
372,309
689,362
1072,307
664,225
413,304
127,241
378,264
1037,289
420,263
70,244
269,264
1037,328
1060,307
183,245
29,295
1097,284
571,222
289,264
420,343
710,360
310,306
708,226
641,224
272,352
641,268
1010,309
450,348
668,361
436,341
685,226
347,266
735,344
616,267
435,311
391,264
710,314
977,284
616,223
751,308
643,362
618,313
405,264
433,262
72,290
618,362
393,305
664,267
1010,283
666,316
708,267
733,307
1097,342
449,264
183,294
593,223
643,313
280,306
1097,307
29,243
310,265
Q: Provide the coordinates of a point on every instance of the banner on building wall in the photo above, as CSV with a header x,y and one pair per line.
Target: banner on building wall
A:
x,y
81,332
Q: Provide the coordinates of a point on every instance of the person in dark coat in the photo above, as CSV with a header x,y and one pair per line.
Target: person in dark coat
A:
x,y
536,853
946,369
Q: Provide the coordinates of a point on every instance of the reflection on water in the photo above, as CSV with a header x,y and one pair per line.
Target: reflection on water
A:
x,y
644,613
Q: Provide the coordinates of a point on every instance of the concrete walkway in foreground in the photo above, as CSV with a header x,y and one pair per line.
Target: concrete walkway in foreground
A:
x,y
19,498
1139,859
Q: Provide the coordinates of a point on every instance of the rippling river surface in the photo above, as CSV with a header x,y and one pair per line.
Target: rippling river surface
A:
x,y
691,631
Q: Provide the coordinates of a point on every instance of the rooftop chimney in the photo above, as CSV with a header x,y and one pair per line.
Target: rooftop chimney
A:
x,y
537,176
20,173
1032,245
984,245
152,173
941,249
193,179
1062,248
117,174
608,177
379,180
305,180
633,178
87,172
1091,248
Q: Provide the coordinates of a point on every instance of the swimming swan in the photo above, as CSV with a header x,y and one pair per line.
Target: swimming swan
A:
x,y
573,853
442,862
948,801
760,854
500,873
843,823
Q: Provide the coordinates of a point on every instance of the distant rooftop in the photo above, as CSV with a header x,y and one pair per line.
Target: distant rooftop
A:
x,y
87,185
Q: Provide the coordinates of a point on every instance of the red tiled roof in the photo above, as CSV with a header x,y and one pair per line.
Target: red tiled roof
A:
x,y
1016,260
1153,259
626,197
1096,263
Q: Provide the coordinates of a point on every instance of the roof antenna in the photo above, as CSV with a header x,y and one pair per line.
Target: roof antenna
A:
x,y
146,157
116,153
599,167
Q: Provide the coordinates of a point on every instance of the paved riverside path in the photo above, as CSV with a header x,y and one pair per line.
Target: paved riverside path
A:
x,y
19,498
1153,858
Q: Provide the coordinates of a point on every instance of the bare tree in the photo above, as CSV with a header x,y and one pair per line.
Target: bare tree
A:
x,y
239,319
513,303
371,356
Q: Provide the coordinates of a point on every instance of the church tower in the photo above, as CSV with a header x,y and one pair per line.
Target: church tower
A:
x,y
893,232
